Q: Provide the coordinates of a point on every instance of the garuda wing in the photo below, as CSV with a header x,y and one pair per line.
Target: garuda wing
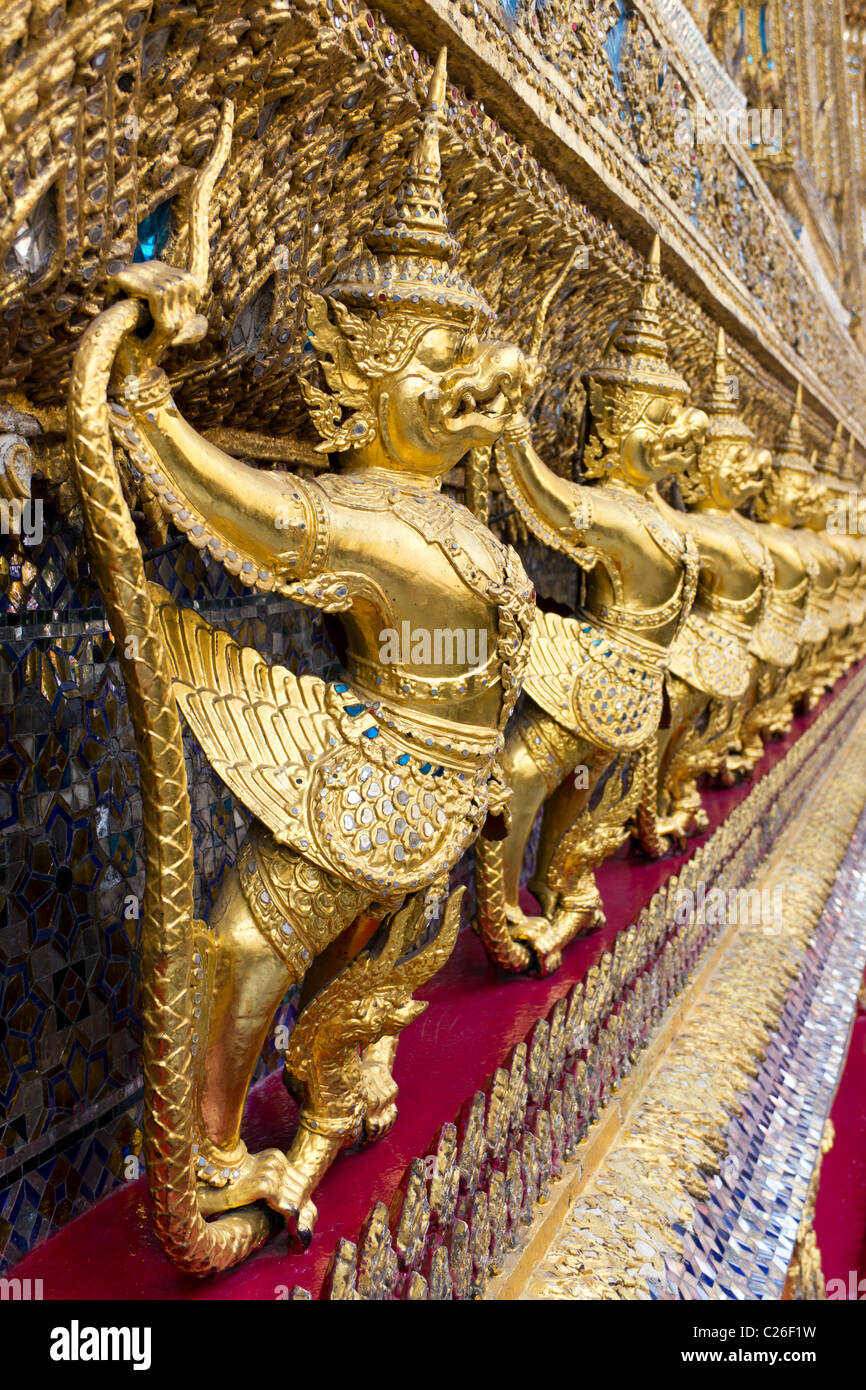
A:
x,y
592,684
312,761
260,726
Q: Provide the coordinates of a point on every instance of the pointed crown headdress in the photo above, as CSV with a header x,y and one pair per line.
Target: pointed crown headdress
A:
x,y
831,467
834,459
724,421
406,277
636,354
409,261
850,468
724,427
791,453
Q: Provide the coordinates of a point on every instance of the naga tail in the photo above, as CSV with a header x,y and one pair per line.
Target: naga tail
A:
x,y
492,923
646,819
190,1242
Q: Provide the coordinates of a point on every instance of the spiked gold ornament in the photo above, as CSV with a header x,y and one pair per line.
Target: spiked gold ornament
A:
x,y
834,459
636,355
791,450
725,421
411,253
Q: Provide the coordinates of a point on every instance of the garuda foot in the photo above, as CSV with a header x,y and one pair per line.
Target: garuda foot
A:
x,y
685,819
547,939
569,923
268,1177
813,698
380,1089
672,831
739,766
735,770
538,934
545,896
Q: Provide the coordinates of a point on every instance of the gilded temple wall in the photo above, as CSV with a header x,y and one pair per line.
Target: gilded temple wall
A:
x,y
566,126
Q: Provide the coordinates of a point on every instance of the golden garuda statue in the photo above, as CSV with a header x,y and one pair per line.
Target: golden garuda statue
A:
x,y
786,631
595,682
795,501
712,659
842,532
364,792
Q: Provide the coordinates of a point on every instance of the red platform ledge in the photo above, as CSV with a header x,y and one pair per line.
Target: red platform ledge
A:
x,y
476,1014
840,1213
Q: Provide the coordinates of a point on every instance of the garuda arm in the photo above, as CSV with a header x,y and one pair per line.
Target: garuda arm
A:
x,y
260,726
268,528
565,516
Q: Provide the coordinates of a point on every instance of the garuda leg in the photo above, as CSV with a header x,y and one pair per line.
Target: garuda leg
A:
x,y
280,920
579,831
768,712
670,803
539,761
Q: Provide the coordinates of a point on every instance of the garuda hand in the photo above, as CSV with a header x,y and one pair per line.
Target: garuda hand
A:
x,y
171,297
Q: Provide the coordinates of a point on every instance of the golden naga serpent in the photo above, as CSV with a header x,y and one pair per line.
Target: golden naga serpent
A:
x,y
191,1243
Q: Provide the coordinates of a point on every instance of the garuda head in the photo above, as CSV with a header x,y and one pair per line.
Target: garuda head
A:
x,y
726,471
638,427
410,382
792,493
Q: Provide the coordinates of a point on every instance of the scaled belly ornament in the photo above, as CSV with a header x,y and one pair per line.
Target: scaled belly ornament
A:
x,y
364,794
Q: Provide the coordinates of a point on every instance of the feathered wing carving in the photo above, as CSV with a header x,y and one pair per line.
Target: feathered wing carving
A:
x,y
290,748
550,676
591,684
260,726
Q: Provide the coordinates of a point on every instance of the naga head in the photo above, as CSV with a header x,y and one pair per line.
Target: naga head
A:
x,y
638,426
726,471
412,383
792,494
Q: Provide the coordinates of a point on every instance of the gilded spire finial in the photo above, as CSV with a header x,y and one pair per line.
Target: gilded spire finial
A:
x,y
409,263
725,422
792,440
637,353
834,459
415,223
791,451
849,467
720,394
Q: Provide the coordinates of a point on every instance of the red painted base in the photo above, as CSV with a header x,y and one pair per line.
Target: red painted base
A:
x,y
475,1015
840,1214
